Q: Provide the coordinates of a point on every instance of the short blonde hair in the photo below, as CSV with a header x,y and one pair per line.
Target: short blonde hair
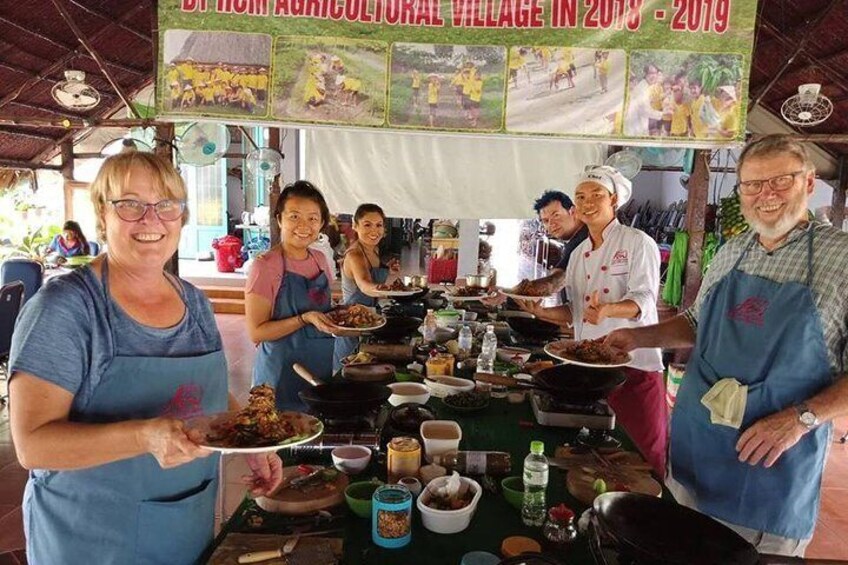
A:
x,y
115,173
776,144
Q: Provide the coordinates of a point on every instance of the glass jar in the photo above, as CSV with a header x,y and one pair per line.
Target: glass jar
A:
x,y
559,528
391,516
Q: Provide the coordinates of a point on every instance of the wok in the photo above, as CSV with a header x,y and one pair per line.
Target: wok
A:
x,y
533,327
397,328
664,532
339,399
578,385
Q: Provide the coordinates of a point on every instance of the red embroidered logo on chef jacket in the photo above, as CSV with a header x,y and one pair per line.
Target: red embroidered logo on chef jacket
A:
x,y
752,311
619,257
186,402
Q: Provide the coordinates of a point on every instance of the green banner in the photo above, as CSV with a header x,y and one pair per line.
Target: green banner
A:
x,y
659,72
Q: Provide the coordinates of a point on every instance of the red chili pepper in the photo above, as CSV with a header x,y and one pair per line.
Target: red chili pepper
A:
x,y
304,469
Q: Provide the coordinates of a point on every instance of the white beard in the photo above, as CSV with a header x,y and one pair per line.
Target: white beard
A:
x,y
790,218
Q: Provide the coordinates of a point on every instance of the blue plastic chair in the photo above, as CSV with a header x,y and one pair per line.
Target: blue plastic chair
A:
x,y
11,298
27,271
93,248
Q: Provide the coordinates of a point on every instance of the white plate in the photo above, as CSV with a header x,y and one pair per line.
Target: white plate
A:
x,y
547,350
360,330
314,426
453,298
390,293
523,297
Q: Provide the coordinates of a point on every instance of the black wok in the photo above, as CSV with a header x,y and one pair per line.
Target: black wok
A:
x,y
533,327
397,328
664,532
345,399
578,385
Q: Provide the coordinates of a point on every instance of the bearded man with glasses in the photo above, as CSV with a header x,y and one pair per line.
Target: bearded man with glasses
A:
x,y
754,414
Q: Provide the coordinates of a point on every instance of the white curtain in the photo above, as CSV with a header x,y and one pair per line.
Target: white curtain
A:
x,y
433,176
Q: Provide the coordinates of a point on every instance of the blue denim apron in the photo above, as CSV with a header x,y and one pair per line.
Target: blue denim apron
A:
x,y
768,336
308,346
132,511
347,345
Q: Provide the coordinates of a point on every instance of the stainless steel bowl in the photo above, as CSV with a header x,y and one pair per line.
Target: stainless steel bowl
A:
x,y
477,281
419,281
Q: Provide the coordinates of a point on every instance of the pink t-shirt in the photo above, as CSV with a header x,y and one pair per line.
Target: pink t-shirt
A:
x,y
266,273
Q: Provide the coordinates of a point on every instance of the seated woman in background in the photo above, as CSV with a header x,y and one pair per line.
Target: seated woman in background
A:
x,y
362,270
287,294
71,242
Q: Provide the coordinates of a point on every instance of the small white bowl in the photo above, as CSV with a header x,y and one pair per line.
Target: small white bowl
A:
x,y
442,386
351,459
439,437
447,521
515,355
408,392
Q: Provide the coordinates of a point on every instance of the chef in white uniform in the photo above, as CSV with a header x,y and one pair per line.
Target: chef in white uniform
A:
x,y
612,281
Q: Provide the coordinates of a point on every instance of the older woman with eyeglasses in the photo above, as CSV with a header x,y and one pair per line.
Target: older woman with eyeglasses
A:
x,y
107,363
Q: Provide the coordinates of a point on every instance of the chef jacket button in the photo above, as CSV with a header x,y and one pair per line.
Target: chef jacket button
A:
x,y
587,299
588,276
586,255
606,291
603,267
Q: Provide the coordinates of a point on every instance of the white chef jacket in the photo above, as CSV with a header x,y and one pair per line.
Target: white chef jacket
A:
x,y
625,267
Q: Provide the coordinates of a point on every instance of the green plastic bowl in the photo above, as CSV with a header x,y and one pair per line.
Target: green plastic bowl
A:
x,y
404,377
513,491
358,496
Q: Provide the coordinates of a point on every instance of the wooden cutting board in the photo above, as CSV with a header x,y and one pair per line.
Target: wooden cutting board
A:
x,y
577,456
306,500
308,551
615,466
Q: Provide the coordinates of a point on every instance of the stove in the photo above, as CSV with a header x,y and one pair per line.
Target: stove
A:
x,y
551,412
357,429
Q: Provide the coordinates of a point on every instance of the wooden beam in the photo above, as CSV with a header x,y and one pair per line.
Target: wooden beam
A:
x,y
62,61
696,212
49,110
806,32
79,123
837,203
275,142
818,138
28,134
100,63
29,165
109,18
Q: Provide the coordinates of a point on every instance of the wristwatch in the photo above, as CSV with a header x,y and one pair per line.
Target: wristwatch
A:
x,y
806,416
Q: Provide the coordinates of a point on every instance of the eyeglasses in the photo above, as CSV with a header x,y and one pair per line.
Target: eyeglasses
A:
x,y
134,211
777,183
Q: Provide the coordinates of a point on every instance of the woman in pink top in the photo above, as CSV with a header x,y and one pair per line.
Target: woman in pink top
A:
x,y
287,295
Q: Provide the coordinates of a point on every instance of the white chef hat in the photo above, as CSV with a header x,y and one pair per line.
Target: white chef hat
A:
x,y
611,179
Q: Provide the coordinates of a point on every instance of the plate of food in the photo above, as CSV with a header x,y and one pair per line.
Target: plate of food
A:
x,y
466,294
524,291
587,353
398,288
257,428
356,318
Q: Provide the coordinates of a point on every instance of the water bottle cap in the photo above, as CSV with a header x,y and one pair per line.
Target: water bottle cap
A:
x,y
490,328
537,447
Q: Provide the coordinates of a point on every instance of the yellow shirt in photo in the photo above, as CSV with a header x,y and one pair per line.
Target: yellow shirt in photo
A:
x,y
351,84
476,92
433,92
603,66
699,129
567,56
729,118
679,119
516,59
416,80
655,93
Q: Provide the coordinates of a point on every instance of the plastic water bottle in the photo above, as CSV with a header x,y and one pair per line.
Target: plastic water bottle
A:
x,y
488,351
430,327
535,484
466,340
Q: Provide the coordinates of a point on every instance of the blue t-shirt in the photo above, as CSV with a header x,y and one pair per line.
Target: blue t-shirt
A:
x,y
69,332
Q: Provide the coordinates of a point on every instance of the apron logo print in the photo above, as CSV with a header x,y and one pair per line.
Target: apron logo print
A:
x,y
316,295
186,402
619,257
752,311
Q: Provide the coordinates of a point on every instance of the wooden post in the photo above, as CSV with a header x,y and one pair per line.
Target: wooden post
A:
x,y
68,177
276,187
696,211
837,206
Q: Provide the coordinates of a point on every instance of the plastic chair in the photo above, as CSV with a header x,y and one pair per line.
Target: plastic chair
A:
x,y
93,248
11,298
27,271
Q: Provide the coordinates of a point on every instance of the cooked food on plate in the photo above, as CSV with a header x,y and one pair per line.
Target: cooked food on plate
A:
x,y
398,286
588,351
467,291
259,423
356,316
359,358
526,288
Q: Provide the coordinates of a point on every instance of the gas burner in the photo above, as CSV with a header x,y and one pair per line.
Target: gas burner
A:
x,y
597,439
551,412
353,423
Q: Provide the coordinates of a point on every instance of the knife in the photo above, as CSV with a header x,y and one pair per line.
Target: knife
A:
x,y
258,556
